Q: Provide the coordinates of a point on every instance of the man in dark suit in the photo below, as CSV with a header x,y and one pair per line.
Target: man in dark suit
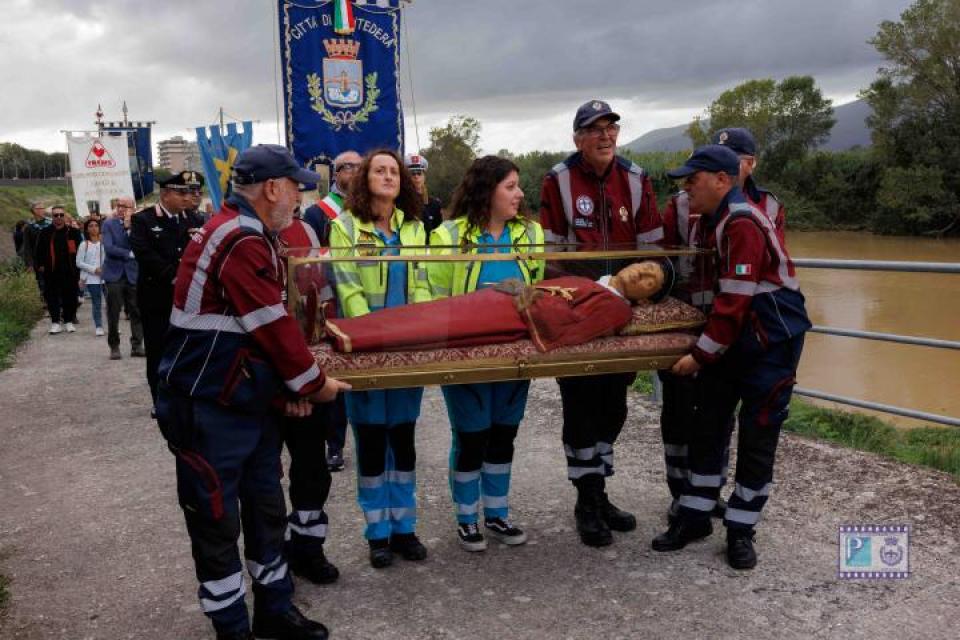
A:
x,y
158,235
120,275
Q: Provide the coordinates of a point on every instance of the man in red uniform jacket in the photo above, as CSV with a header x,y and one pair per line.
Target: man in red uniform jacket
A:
x,y
596,197
231,354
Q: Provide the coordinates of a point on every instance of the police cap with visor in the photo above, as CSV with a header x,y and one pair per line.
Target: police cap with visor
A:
x,y
183,181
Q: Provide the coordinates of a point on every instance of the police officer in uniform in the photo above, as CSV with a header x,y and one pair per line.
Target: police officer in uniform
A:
x,y
598,198
747,354
432,214
234,356
158,235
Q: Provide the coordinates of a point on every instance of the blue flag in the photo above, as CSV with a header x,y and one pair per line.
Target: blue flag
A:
x,y
218,152
341,77
141,154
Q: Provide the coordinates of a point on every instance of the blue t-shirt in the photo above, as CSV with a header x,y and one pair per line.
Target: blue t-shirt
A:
x,y
493,272
396,272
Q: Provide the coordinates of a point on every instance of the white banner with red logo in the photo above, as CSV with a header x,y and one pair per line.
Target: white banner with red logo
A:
x,y
99,171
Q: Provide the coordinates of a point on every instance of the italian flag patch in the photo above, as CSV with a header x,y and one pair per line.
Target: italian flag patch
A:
x,y
743,269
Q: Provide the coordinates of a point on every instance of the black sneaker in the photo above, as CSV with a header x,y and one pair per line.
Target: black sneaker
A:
x,y
408,546
380,554
470,537
335,460
291,625
740,552
681,533
503,530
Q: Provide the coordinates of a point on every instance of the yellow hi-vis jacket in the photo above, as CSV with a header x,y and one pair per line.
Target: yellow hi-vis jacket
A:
x,y
362,284
462,276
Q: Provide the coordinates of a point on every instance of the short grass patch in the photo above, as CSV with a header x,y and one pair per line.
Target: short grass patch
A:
x,y
934,447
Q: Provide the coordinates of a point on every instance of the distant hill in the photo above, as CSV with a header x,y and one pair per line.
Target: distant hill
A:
x,y
849,131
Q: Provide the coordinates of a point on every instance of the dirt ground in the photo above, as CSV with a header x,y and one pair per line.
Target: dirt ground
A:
x,y
94,543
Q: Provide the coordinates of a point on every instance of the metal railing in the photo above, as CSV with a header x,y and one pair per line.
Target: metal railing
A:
x,y
881,265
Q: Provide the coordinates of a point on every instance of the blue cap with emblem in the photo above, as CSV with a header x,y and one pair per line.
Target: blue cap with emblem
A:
x,y
268,161
714,158
738,139
590,112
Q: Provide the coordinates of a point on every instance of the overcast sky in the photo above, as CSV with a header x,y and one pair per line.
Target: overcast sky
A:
x,y
520,66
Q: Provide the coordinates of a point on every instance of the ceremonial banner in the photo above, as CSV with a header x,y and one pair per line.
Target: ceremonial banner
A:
x,y
218,152
99,170
140,153
341,76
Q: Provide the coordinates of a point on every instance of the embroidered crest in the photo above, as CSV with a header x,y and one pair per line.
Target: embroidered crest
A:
x,y
724,136
624,214
585,205
743,269
343,87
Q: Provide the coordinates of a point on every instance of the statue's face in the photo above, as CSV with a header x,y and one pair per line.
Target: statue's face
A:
x,y
641,280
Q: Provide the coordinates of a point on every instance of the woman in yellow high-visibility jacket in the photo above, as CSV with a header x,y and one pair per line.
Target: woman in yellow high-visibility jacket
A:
x,y
381,215
485,417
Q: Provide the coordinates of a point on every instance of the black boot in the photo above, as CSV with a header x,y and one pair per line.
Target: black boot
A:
x,y
673,511
408,546
617,519
740,551
681,533
291,625
312,565
591,525
380,554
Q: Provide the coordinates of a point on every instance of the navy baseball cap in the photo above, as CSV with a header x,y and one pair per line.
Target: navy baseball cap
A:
x,y
711,157
268,161
590,112
738,139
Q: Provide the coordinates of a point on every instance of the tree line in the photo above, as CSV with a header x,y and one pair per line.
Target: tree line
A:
x,y
19,163
907,182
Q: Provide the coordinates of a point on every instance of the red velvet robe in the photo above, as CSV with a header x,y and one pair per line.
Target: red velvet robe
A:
x,y
564,311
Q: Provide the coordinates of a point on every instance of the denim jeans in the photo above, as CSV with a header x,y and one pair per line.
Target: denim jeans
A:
x,y
96,298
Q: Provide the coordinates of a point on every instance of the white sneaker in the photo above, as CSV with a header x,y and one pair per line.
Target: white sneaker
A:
x,y
99,331
70,327
55,328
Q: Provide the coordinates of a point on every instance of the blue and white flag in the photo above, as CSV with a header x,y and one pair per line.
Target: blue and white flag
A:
x,y
218,151
341,76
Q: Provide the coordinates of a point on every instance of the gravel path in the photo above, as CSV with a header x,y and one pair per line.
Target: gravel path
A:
x,y
94,543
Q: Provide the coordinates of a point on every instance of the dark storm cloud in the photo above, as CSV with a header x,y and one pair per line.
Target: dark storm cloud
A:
x,y
177,61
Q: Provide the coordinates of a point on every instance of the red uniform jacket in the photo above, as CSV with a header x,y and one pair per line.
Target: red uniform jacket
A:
x,y
617,208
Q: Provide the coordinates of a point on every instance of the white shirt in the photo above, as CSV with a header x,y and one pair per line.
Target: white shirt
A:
x,y
89,259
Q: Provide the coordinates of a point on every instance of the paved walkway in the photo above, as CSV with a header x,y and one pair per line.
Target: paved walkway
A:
x,y
93,541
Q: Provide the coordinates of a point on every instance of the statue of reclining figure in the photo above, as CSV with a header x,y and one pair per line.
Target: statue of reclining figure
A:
x,y
552,313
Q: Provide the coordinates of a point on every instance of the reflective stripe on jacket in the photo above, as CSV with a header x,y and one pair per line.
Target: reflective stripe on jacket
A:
x,y
362,284
455,278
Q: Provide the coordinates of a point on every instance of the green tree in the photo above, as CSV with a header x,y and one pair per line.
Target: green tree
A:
x,y
787,119
916,116
453,147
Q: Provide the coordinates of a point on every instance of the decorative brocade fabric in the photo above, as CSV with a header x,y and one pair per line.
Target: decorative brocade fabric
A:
x,y
668,315
648,344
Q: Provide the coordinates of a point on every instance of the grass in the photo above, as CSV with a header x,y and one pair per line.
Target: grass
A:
x,y
4,592
15,201
934,447
643,383
20,308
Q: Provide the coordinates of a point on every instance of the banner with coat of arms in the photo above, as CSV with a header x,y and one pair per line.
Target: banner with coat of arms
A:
x,y
341,76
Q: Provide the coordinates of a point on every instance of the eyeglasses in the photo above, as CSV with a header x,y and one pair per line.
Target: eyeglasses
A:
x,y
611,130
59,215
346,166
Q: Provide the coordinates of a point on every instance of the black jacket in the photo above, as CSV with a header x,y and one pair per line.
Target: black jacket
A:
x,y
158,241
